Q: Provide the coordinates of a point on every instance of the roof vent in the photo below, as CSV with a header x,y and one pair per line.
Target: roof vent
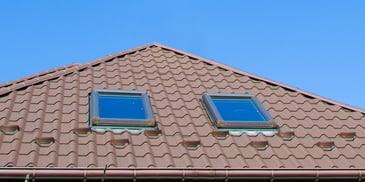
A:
x,y
82,131
119,143
326,145
348,135
9,129
287,135
152,133
220,134
44,141
260,145
191,144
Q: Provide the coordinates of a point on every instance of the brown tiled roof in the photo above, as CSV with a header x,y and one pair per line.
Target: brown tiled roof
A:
x,y
44,118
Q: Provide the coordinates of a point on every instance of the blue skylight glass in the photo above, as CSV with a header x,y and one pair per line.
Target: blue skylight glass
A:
x,y
121,107
238,109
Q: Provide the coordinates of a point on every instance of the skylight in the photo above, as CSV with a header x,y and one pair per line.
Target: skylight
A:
x,y
236,111
120,108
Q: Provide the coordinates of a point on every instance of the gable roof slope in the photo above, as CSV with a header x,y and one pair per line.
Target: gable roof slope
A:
x,y
44,118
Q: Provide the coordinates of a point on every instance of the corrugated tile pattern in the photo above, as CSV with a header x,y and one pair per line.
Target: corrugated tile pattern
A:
x,y
44,119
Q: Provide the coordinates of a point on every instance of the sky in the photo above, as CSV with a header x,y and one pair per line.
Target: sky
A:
x,y
316,46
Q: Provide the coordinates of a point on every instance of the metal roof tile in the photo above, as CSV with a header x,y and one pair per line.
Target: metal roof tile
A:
x,y
182,161
342,162
164,161
307,162
255,162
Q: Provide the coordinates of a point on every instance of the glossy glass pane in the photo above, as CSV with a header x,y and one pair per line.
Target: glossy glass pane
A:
x,y
238,109
121,107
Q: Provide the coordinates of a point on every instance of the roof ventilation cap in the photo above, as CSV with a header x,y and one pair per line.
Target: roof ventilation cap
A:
x,y
82,131
220,134
9,129
348,135
326,145
44,141
260,145
191,144
152,133
119,143
287,135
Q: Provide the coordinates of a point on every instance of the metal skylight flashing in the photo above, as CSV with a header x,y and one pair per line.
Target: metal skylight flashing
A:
x,y
120,130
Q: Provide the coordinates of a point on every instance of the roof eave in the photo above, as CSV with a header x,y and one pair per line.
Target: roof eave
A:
x,y
180,173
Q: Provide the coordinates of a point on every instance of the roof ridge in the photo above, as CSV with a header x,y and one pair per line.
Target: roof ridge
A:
x,y
34,78
224,66
64,70
8,87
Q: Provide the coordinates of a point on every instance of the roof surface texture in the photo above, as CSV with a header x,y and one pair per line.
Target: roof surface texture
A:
x,y
44,118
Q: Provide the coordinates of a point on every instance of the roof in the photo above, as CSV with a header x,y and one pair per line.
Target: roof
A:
x,y
44,118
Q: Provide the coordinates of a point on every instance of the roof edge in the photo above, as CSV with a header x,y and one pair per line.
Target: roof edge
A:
x,y
35,78
64,70
40,74
263,79
10,86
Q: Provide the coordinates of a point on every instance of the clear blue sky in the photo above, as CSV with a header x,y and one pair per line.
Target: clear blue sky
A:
x,y
317,46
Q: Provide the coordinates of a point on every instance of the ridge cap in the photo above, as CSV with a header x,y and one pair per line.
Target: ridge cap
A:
x,y
39,74
64,70
26,81
35,78
236,70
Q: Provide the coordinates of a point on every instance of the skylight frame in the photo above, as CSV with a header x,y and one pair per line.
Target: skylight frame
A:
x,y
217,119
94,111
